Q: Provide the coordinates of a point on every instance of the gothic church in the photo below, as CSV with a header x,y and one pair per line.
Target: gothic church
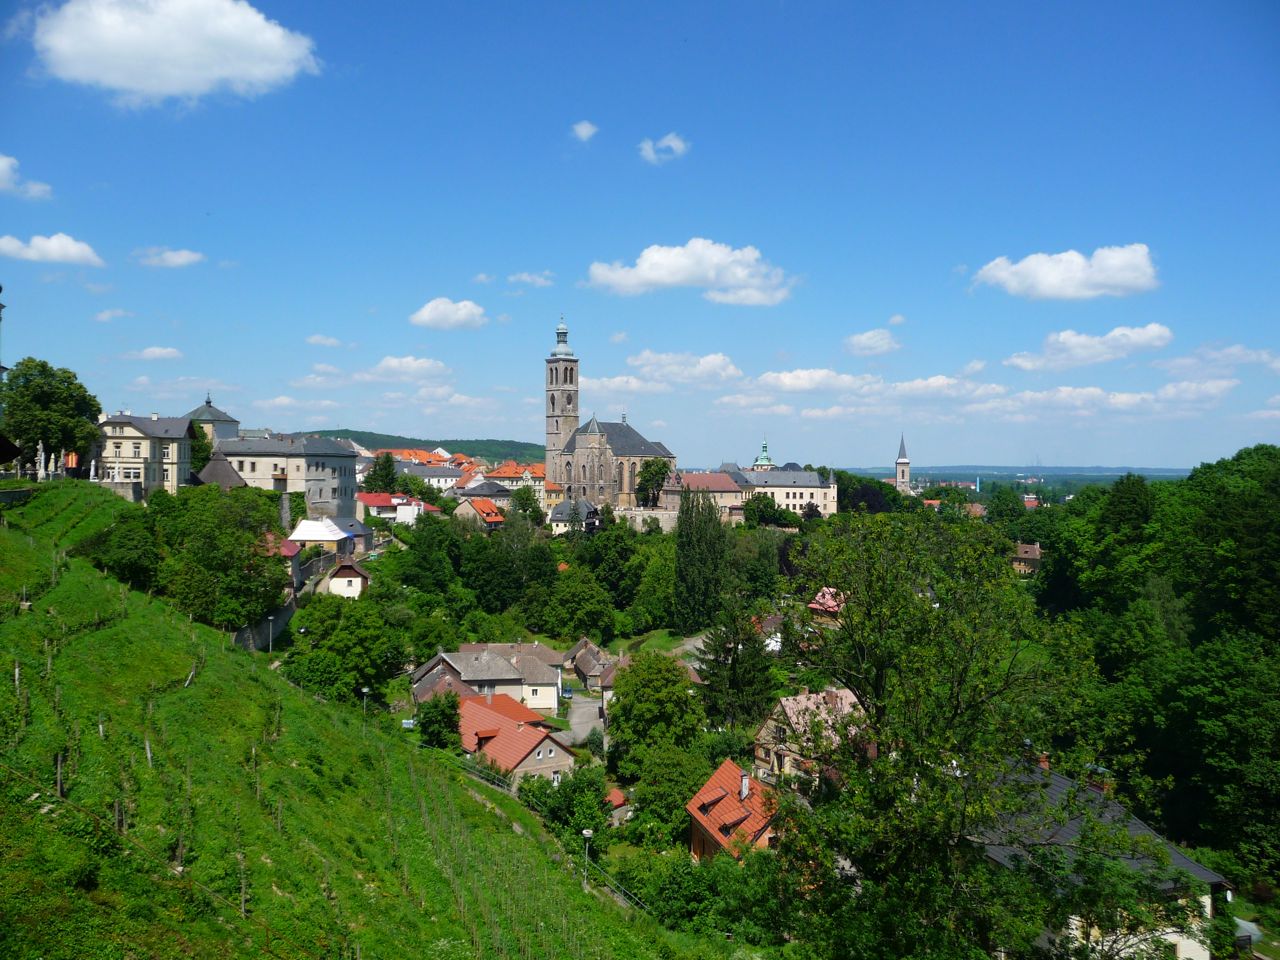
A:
x,y
597,461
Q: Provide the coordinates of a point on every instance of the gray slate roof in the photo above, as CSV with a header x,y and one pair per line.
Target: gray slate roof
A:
x,y
624,440
1058,792
784,478
162,428
563,510
284,445
208,413
219,471
476,667
485,488
430,473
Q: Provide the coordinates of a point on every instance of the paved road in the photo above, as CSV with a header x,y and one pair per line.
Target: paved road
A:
x,y
584,713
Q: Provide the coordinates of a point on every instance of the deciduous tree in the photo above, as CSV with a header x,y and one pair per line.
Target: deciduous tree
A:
x,y
40,403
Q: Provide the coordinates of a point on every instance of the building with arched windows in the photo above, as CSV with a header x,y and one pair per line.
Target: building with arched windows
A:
x,y
598,461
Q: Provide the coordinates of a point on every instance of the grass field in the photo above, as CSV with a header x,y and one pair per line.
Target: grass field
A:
x,y
164,795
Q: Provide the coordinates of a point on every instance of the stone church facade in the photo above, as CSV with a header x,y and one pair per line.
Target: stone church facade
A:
x,y
598,461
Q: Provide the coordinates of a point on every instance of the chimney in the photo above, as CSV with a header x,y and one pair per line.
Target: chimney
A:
x,y
155,416
488,697
1044,761
519,725
746,786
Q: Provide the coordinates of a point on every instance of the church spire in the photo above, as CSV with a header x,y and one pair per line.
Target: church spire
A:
x,y
902,447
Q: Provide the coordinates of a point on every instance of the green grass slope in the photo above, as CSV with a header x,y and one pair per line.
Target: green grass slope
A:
x,y
209,809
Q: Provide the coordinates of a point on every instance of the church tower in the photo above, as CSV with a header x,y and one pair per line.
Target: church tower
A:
x,y
903,479
562,402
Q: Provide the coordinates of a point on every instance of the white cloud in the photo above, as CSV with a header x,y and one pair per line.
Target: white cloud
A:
x,y
322,340
185,389
584,130
872,343
1067,348
444,314
284,402
12,182
619,336
1185,398
659,424
59,248
1219,361
155,353
148,50
737,276
106,316
1264,415
164,257
542,279
757,404
684,367
624,384
402,369
972,367
897,320
794,381
941,385
1110,271
483,278
668,148
322,376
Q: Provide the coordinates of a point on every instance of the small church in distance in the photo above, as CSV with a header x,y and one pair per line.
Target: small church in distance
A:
x,y
597,461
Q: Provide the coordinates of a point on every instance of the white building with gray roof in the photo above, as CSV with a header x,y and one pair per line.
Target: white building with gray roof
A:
x,y
320,467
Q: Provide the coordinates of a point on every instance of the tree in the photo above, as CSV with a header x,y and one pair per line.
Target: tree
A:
x,y
525,501
651,706
761,510
201,449
650,481
669,774
950,671
701,546
43,404
867,494
1005,505
438,721
737,682
381,477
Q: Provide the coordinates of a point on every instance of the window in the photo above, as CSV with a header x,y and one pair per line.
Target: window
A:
x,y
555,778
137,449
117,446
253,466
164,452
538,754
166,474
351,583
240,466
533,692
551,751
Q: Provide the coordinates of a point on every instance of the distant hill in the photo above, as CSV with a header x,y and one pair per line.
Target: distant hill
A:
x,y
495,451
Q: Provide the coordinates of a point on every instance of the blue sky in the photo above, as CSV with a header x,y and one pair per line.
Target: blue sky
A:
x,y
1011,232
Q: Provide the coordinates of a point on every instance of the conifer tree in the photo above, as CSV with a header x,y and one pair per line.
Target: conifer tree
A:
x,y
701,549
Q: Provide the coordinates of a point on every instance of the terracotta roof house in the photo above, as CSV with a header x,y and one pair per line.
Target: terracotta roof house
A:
x,y
548,655
518,748
799,730
482,511
619,807
509,708
393,507
588,662
827,604
732,812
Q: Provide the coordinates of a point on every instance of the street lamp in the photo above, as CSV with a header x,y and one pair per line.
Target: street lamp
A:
x,y
366,692
587,834
271,634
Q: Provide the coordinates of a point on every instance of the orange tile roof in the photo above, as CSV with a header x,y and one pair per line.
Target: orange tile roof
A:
x,y
487,510
504,741
710,482
552,486
509,707
615,798
514,471
409,453
724,814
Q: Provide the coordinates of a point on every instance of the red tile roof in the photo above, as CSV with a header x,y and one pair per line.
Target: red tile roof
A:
x,y
615,798
552,487
375,499
509,707
504,741
710,482
827,601
725,815
514,471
